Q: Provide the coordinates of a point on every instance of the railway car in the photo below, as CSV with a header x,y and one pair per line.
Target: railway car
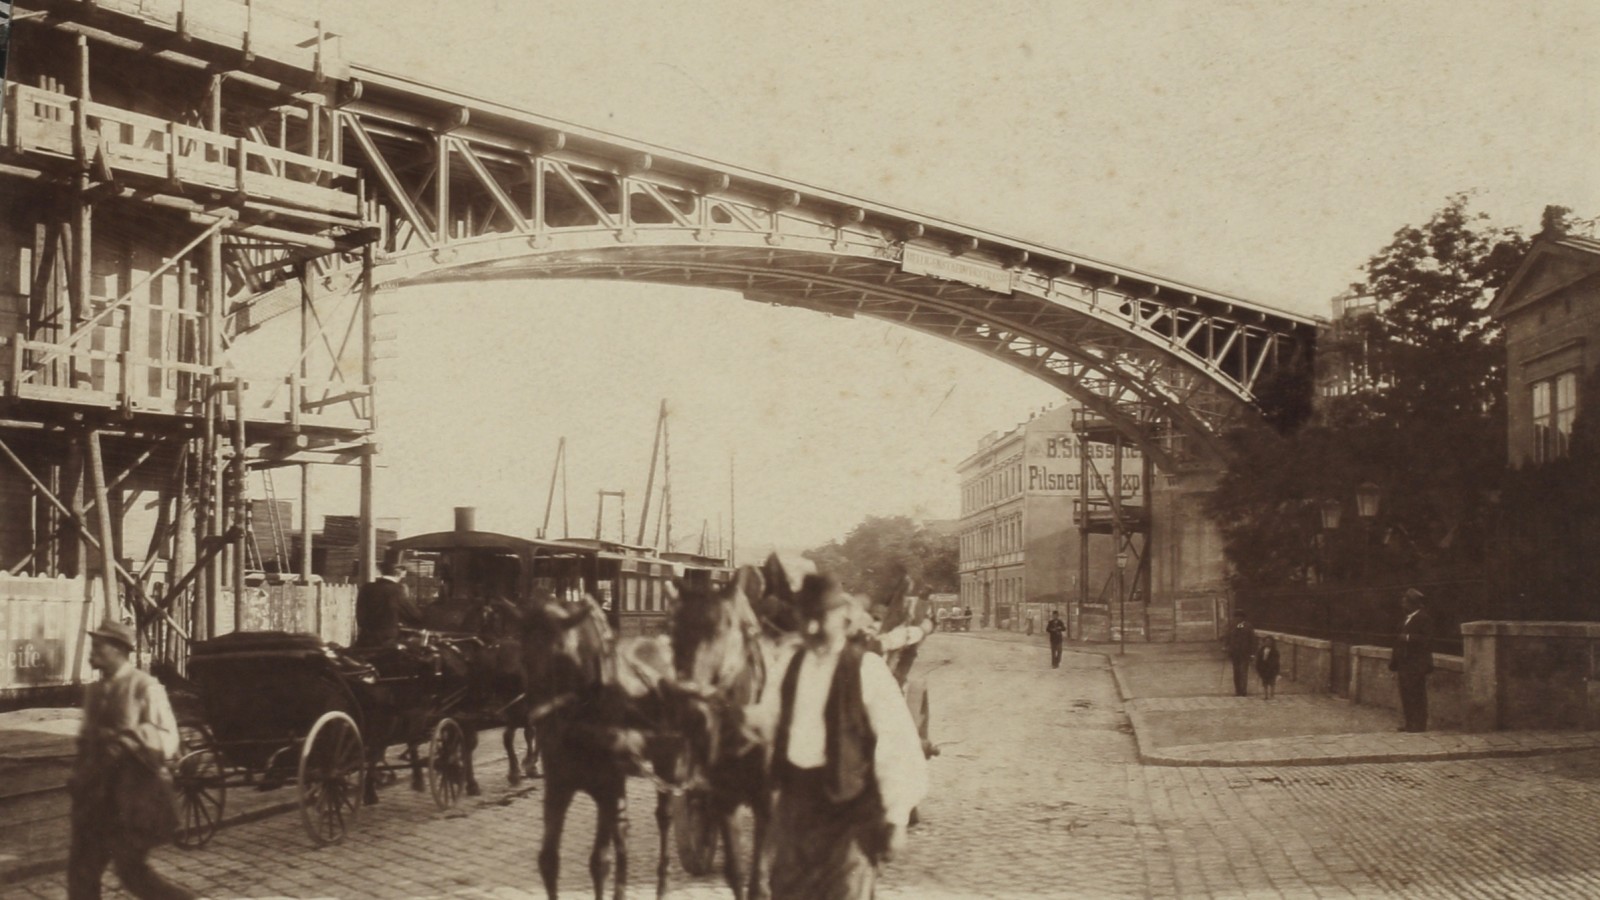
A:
x,y
451,573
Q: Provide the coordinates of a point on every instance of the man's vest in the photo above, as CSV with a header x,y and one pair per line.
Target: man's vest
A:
x,y
848,744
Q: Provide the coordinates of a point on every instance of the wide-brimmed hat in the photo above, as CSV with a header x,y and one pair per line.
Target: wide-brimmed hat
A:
x,y
820,593
1414,594
113,630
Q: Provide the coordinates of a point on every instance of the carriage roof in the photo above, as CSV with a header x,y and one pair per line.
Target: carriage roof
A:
x,y
488,540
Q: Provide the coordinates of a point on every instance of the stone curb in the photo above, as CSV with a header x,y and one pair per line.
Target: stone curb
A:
x,y
1136,720
35,868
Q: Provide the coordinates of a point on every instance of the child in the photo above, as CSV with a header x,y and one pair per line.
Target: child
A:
x,y
1267,666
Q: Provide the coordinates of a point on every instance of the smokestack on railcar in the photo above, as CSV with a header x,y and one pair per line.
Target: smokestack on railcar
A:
x,y
466,518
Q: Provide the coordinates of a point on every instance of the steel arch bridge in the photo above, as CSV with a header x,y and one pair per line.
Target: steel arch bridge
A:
x,y
464,189
461,189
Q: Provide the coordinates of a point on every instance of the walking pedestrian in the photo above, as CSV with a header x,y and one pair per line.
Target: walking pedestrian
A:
x,y
1267,665
1241,649
122,799
1412,660
1057,630
847,760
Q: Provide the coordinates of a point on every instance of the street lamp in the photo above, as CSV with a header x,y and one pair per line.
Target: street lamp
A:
x,y
1122,603
1332,511
1367,500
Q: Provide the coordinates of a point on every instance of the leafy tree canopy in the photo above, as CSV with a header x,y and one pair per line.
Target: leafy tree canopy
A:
x,y
882,549
1418,410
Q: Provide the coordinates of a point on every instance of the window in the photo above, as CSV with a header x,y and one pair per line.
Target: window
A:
x,y
1555,406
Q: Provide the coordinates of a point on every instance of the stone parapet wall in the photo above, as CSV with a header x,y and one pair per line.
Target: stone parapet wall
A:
x,y
1309,661
1543,675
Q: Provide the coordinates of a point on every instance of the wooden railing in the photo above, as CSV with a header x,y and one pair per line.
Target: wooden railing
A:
x,y
123,380
54,124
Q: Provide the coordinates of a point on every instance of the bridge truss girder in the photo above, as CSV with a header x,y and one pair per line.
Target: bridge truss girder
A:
x,y
460,189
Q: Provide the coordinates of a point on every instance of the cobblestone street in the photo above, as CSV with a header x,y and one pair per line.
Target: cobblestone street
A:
x,y
1037,794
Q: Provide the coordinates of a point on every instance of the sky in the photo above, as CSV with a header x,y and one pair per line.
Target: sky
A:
x,y
1263,149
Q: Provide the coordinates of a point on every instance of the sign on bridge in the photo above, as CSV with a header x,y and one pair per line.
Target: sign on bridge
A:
x,y
921,262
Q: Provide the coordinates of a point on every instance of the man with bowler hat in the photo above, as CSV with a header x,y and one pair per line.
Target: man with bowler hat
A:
x,y
847,760
1057,629
382,607
122,803
1412,660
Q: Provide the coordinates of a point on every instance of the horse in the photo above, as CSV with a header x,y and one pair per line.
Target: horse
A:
x,y
720,666
405,703
498,622
583,729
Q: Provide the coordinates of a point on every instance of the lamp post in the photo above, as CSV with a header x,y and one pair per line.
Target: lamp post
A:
x,y
1367,496
1122,604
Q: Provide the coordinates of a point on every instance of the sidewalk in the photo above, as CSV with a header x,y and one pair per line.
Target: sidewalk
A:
x,y
36,752
1179,700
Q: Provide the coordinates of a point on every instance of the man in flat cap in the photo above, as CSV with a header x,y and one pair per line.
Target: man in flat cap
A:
x,y
847,761
122,803
1412,660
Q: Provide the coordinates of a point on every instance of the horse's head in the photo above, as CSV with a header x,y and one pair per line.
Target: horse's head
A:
x,y
712,630
718,662
777,604
565,646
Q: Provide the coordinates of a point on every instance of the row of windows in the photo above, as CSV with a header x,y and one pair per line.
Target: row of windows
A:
x,y
1555,407
1004,536
998,485
1001,592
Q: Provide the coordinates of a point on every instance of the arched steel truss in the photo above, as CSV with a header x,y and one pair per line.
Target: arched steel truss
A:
x,y
461,189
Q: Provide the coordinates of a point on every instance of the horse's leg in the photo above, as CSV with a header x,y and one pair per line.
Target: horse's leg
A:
x,y
557,797
761,835
530,761
732,861
417,782
369,791
611,839
509,738
471,735
664,832
619,837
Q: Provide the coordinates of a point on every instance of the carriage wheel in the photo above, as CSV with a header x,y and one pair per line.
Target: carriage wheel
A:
x,y
697,833
447,763
333,770
201,795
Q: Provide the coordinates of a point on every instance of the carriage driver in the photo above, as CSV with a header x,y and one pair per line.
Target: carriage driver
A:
x,y
382,607
847,760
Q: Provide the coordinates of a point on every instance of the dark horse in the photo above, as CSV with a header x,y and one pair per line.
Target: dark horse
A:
x,y
582,722
720,669
421,680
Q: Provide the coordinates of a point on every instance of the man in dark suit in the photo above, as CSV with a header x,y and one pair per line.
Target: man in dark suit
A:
x,y
1412,660
1241,649
1057,629
382,607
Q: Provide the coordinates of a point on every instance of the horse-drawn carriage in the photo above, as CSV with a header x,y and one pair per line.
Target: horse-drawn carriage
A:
x,y
279,708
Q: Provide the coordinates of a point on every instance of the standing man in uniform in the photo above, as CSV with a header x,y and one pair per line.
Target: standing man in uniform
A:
x,y
1412,660
122,803
1241,649
1057,630
382,607
847,761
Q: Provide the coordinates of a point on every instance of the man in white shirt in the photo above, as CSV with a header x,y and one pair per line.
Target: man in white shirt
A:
x,y
847,761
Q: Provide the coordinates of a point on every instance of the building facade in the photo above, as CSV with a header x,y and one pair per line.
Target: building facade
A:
x,y
1551,312
1020,548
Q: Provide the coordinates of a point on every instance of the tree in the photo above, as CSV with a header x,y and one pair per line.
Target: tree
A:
x,y
883,549
1422,417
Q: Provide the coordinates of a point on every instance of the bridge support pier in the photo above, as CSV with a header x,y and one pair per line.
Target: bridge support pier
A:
x,y
1188,583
